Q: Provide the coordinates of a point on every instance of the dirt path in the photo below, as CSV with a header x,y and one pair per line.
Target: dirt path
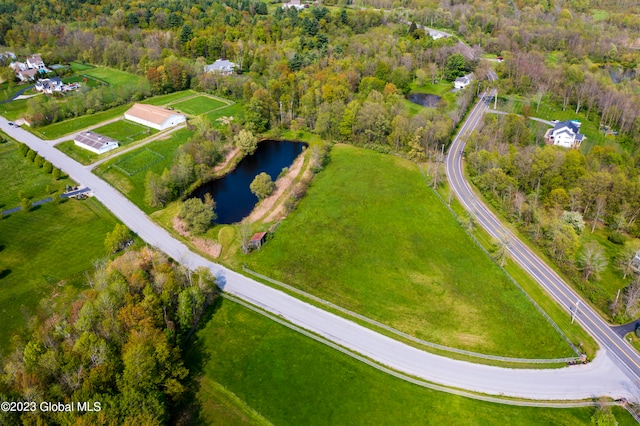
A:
x,y
230,155
268,203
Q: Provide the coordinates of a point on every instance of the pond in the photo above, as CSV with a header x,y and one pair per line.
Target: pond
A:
x,y
424,99
234,200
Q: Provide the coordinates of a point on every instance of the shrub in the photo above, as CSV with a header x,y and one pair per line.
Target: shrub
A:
x,y
31,155
617,237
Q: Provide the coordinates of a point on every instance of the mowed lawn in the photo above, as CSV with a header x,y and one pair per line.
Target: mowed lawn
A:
x,y
22,176
158,155
41,248
253,368
113,76
372,237
198,105
163,100
56,130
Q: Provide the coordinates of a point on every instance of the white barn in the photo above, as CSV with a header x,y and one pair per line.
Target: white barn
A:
x,y
95,142
154,117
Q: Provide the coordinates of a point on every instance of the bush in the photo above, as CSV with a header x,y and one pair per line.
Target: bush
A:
x,y
31,155
617,237
284,172
262,186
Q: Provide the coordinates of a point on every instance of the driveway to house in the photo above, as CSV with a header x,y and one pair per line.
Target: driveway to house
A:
x,y
602,377
625,356
18,93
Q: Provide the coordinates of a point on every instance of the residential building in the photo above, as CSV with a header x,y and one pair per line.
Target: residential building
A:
x,y
50,86
221,66
464,81
155,117
35,62
95,142
295,4
565,134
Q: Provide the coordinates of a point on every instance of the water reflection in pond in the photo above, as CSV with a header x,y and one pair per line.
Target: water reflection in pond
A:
x,y
424,99
234,200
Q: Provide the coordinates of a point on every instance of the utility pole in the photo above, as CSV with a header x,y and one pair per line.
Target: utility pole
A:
x,y
575,313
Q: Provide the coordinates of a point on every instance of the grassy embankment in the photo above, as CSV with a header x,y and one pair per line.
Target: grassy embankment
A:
x,y
253,370
371,237
44,252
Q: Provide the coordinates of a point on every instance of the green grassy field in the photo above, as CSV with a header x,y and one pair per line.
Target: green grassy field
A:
x,y
169,98
138,161
56,130
125,131
41,248
284,378
77,66
25,177
14,109
235,111
371,237
81,155
198,105
133,186
113,76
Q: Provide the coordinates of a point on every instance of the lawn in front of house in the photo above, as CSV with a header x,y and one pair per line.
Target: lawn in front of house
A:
x,y
113,76
254,370
372,237
132,186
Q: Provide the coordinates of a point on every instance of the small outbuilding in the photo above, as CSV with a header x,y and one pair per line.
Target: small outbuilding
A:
x,y
153,116
258,239
95,142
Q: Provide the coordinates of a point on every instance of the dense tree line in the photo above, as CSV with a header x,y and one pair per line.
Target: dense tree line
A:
x,y
119,343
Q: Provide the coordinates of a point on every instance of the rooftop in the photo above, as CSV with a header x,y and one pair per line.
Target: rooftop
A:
x,y
93,140
151,113
258,236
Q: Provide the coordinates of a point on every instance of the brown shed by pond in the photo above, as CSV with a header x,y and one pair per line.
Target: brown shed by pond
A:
x,y
258,239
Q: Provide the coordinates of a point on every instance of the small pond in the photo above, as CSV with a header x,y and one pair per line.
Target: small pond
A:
x,y
234,200
424,99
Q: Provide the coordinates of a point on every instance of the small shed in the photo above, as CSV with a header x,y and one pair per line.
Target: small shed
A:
x,y
258,239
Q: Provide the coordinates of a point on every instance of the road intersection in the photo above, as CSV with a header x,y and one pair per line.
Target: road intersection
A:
x,y
602,377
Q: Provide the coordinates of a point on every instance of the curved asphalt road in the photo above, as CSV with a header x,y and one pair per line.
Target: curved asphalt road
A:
x,y
621,352
601,377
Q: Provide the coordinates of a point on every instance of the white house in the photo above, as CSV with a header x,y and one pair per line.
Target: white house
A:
x,y
36,62
95,142
295,4
435,34
50,86
221,66
153,116
566,134
464,81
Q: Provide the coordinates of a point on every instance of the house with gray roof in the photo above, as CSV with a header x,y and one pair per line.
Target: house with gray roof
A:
x,y
222,67
464,81
565,134
95,142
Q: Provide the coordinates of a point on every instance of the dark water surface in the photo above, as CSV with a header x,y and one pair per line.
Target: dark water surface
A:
x,y
232,195
424,99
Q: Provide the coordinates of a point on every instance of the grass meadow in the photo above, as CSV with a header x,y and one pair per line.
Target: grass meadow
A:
x,y
56,130
42,249
125,131
25,178
198,105
113,76
370,236
253,370
132,186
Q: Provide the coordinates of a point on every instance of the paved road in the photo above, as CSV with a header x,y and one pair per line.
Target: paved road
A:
x,y
621,352
601,377
18,93
623,330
